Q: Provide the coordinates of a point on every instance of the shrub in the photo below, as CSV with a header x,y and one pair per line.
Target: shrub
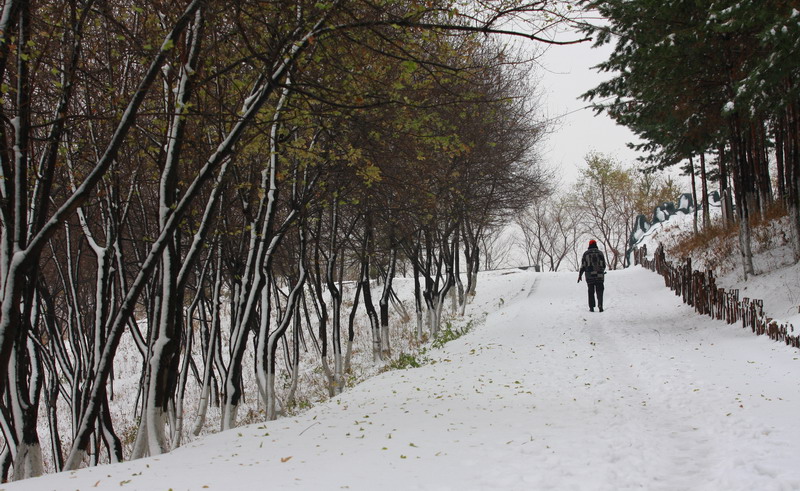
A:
x,y
449,333
404,361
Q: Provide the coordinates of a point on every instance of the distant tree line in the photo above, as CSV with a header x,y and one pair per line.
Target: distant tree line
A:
x,y
202,176
714,84
600,205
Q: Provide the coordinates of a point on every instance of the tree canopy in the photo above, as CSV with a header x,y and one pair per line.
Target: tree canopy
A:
x,y
692,78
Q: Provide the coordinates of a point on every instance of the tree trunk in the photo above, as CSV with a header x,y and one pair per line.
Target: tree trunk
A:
x,y
294,374
351,331
704,187
24,398
280,330
746,196
724,191
366,255
792,168
779,132
210,347
418,300
386,351
369,306
336,303
694,195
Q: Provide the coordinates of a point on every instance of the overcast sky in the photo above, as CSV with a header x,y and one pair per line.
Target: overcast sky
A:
x,y
566,73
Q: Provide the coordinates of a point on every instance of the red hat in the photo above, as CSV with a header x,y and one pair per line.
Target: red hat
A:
x,y
592,242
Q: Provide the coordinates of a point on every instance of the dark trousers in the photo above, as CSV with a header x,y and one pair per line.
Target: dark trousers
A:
x,y
595,288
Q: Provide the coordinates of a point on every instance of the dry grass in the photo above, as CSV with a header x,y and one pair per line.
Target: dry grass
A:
x,y
717,246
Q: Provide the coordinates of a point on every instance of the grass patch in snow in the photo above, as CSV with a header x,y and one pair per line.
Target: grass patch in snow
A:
x,y
449,333
407,360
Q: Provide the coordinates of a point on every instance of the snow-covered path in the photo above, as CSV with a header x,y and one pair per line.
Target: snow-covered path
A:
x,y
543,395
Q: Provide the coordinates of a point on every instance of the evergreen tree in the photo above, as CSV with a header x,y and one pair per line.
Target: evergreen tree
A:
x,y
695,77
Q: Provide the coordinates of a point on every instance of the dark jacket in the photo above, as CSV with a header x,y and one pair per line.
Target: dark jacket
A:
x,y
594,265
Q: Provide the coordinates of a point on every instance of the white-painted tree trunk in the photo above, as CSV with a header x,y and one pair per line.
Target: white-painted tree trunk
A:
x,y
433,324
262,379
348,355
28,461
263,89
202,408
295,371
156,422
229,413
271,398
280,331
338,369
27,456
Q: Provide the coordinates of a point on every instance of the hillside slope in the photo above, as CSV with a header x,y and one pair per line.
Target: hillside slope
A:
x,y
777,279
542,395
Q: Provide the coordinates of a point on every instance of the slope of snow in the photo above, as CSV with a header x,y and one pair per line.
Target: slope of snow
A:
x,y
777,279
542,395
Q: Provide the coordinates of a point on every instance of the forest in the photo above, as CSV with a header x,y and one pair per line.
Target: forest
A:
x,y
221,185
711,86
201,178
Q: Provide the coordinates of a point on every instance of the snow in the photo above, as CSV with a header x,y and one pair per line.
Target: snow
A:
x,y
777,281
541,394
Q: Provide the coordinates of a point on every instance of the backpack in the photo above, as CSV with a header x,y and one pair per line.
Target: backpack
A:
x,y
594,264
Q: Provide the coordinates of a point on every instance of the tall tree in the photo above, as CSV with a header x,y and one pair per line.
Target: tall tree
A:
x,y
125,126
689,78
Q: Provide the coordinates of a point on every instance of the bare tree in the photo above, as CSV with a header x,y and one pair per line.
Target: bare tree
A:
x,y
550,231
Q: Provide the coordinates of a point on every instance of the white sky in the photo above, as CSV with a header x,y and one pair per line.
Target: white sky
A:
x,y
566,73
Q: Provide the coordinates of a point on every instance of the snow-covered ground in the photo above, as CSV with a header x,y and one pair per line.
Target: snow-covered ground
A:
x,y
777,279
541,395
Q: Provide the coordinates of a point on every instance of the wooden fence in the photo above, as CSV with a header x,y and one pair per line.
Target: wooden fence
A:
x,y
700,291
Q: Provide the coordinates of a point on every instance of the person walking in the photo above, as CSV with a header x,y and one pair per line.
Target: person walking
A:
x,y
594,265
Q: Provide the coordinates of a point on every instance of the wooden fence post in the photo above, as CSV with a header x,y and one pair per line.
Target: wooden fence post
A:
x,y
700,291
